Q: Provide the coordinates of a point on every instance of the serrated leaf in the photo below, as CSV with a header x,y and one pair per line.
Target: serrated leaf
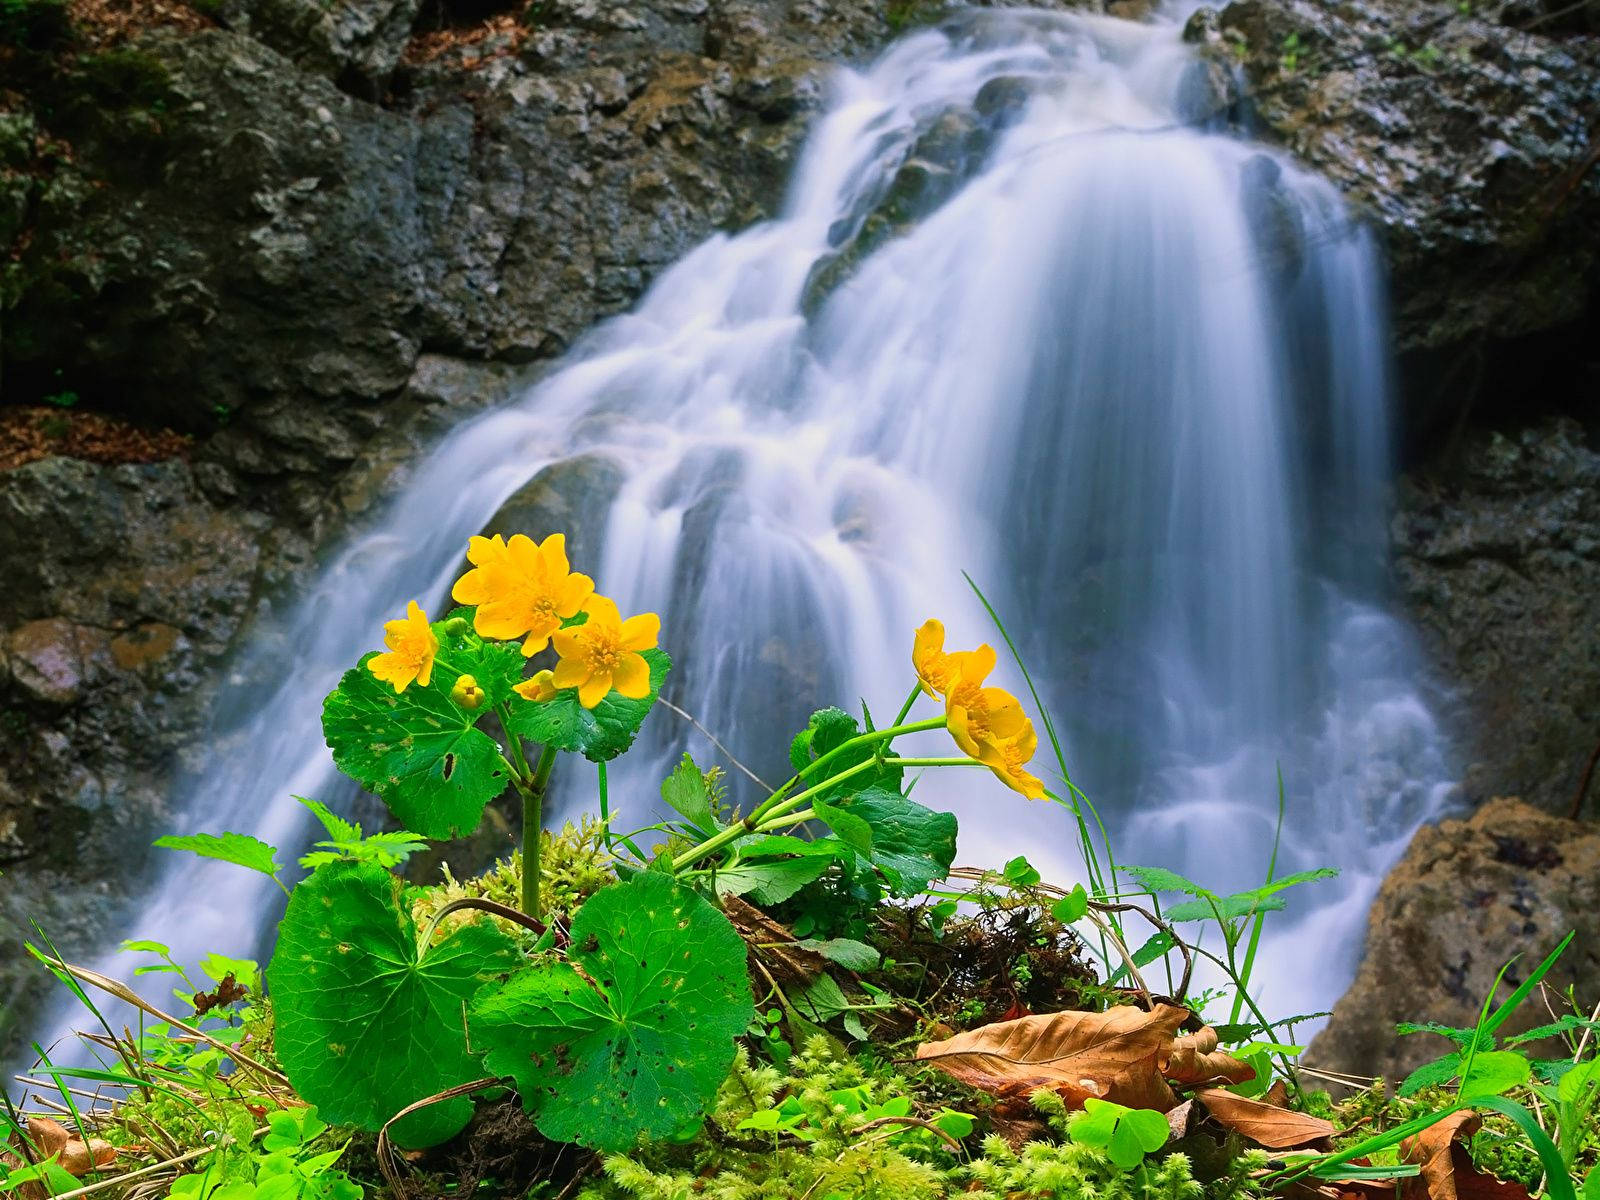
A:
x,y
364,1026
238,848
851,829
848,953
771,881
1159,879
1289,881
1494,1073
1433,1074
640,1042
338,828
1226,908
822,999
1566,1023
911,844
685,791
418,750
1464,1038
599,733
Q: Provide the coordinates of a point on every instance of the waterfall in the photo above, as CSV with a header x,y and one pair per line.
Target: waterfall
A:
x,y
1017,318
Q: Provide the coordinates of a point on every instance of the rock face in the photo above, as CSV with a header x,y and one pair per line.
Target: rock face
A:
x,y
1498,558
1467,898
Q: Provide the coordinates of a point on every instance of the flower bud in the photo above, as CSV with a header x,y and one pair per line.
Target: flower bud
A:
x,y
466,692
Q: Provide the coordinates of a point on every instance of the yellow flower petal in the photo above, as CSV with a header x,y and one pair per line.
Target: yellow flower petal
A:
x,y
411,649
539,688
594,689
632,676
569,673
641,632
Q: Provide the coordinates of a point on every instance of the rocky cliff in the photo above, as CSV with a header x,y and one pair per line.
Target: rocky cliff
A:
x,y
310,236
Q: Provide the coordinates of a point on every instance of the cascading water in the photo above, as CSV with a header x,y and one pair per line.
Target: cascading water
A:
x,y
1018,320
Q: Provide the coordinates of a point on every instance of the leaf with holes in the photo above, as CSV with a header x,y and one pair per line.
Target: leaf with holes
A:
x,y
599,733
364,1026
420,750
638,1043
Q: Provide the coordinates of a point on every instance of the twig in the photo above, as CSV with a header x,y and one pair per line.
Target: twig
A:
x,y
386,1151
955,1146
1583,783
1583,1040
579,1176
128,996
504,911
712,738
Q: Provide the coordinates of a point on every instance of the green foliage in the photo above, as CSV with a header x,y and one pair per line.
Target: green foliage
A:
x,y
366,1023
287,1166
1124,1135
346,842
237,848
642,1038
419,750
828,735
600,733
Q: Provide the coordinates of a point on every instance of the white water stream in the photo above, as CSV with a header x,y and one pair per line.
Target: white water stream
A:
x,y
1128,374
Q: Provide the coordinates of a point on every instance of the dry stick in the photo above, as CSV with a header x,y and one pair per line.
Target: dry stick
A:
x,y
1583,784
712,738
583,1173
386,1152
955,1146
144,1171
1583,1041
128,996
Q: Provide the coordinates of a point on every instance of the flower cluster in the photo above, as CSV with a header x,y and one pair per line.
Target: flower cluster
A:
x,y
526,589
987,722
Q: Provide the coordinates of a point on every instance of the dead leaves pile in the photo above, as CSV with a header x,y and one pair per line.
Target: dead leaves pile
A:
x,y
1140,1059
52,1140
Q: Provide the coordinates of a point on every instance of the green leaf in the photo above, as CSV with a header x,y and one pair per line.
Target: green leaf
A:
x,y
911,844
1072,907
418,750
338,828
1464,1038
1434,1074
1579,1085
1289,881
599,733
822,999
771,881
686,792
1226,908
850,954
1557,1181
237,848
1021,873
1591,1185
145,946
1158,879
1160,942
637,1044
851,829
1494,1074
1503,1013
364,1025
1124,1135
1567,1023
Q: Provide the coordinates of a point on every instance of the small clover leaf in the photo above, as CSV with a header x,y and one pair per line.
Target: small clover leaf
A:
x,y
640,1041
1125,1135
599,733
366,1025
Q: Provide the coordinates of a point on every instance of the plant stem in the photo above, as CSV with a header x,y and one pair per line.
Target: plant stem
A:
x,y
931,762
905,709
861,739
532,827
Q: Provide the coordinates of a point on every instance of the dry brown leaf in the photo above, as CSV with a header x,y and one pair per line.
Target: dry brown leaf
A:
x,y
1180,1118
1115,1055
1196,1059
78,1159
1448,1172
1265,1124
48,1137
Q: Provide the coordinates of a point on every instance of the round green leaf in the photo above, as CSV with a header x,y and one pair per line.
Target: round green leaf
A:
x,y
639,1043
418,749
364,1026
599,733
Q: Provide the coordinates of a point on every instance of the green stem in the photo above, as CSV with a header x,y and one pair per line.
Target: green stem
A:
x,y
861,739
931,762
532,827
905,709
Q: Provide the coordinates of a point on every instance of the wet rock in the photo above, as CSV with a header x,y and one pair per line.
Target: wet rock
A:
x,y
354,43
1498,562
1468,897
52,661
1465,144
571,497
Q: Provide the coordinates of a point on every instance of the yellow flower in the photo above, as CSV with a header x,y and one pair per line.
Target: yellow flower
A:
x,y
538,689
602,654
521,587
466,692
411,649
936,670
989,725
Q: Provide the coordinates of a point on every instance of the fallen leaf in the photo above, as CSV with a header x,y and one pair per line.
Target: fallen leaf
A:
x,y
225,993
1448,1172
78,1159
1115,1055
1277,1095
1265,1124
1180,1118
48,1137
1196,1059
